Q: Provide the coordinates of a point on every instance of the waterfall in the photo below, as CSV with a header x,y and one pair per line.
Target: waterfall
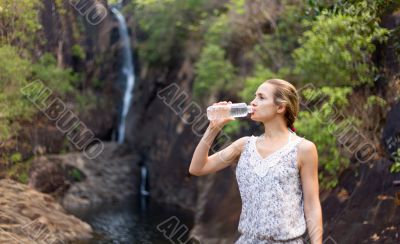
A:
x,y
143,181
129,78
127,70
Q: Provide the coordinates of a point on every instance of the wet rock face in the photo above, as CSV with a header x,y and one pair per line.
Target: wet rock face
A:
x,y
369,208
218,206
391,132
28,216
154,129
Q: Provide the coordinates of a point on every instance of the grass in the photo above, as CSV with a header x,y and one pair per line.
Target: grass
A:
x,y
19,171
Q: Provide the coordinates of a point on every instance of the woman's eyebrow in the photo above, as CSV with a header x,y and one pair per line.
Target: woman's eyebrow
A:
x,y
258,93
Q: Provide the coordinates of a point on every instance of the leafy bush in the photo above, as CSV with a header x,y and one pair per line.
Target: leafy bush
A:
x,y
19,171
75,174
251,83
14,72
165,25
58,79
318,122
19,22
338,47
219,31
213,71
16,157
78,52
395,167
274,50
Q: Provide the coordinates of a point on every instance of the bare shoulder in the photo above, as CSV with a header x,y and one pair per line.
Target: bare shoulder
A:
x,y
241,142
307,146
238,147
307,151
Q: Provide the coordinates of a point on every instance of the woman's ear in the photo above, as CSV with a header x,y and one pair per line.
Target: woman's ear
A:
x,y
281,108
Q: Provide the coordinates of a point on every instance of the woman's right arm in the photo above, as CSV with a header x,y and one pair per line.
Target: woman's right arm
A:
x,y
203,164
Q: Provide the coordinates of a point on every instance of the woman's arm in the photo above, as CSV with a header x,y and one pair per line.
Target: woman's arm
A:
x,y
203,164
308,158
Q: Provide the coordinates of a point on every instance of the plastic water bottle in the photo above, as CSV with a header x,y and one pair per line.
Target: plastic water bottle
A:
x,y
228,110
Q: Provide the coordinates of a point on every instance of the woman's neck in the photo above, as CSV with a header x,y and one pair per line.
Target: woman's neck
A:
x,y
275,129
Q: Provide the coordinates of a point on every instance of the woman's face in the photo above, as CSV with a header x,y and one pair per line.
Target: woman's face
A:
x,y
264,108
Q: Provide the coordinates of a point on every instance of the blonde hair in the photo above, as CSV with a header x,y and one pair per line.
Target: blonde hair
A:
x,y
286,93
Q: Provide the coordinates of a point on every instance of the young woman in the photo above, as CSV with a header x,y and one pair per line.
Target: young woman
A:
x,y
277,172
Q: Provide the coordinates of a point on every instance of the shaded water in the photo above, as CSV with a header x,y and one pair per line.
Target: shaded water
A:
x,y
131,222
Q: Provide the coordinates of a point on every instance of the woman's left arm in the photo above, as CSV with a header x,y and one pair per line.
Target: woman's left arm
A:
x,y
308,159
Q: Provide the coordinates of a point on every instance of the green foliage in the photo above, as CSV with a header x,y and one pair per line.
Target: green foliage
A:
x,y
251,83
395,167
19,171
14,72
219,31
16,157
338,47
374,100
19,22
112,2
166,25
238,6
213,71
319,122
233,128
59,80
75,175
97,83
274,50
324,42
78,52
14,69
86,101
150,2
394,39
23,177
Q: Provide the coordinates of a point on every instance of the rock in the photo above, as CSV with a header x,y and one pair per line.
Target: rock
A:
x,y
28,216
370,210
113,176
47,177
391,132
218,206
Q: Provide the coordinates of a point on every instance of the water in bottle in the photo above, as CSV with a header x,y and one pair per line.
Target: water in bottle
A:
x,y
228,110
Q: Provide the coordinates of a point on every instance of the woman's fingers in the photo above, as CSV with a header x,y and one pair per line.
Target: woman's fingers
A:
x,y
222,103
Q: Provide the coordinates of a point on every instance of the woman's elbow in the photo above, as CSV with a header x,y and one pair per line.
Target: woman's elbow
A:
x,y
195,172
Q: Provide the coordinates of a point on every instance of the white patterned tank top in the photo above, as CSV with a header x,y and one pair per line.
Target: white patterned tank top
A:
x,y
271,193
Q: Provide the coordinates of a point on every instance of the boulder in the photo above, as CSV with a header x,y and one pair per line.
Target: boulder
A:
x,y
28,216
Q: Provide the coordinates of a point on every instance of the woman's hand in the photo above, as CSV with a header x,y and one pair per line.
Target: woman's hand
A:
x,y
220,123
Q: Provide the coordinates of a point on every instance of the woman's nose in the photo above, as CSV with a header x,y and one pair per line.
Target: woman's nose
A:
x,y
253,103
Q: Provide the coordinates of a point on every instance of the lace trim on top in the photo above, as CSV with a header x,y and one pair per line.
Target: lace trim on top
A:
x,y
262,165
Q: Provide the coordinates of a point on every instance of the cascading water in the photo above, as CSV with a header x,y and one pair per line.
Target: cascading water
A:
x,y
133,220
129,75
143,173
127,70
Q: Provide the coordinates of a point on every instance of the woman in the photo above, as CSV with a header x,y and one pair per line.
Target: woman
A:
x,y
277,172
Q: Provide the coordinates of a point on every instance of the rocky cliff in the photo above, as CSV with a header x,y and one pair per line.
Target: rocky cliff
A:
x,y
363,203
